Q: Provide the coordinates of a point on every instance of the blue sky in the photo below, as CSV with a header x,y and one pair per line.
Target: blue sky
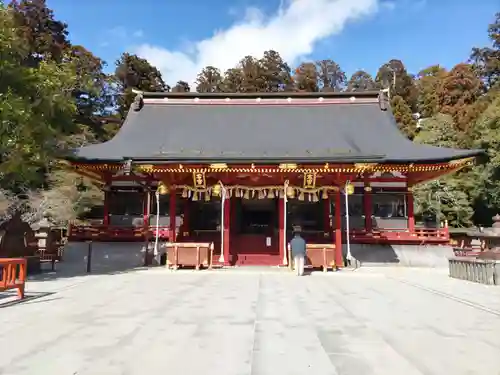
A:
x,y
180,37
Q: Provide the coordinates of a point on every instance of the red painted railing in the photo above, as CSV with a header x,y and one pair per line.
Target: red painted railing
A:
x,y
390,235
13,275
101,232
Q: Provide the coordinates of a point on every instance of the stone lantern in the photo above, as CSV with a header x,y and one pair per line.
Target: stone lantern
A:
x,y
496,223
43,235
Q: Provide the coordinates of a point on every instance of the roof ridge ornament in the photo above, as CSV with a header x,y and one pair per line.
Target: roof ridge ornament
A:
x,y
383,99
138,100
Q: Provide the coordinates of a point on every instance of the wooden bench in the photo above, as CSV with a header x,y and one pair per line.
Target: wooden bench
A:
x,y
13,275
189,254
317,256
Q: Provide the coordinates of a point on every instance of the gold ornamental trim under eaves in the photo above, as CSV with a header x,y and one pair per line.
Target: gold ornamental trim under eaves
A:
x,y
356,168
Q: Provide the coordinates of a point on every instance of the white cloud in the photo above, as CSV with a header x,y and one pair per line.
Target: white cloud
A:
x,y
293,31
118,32
138,34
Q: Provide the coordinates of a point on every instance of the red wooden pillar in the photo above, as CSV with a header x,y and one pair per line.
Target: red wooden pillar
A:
x,y
146,208
282,231
411,211
327,222
105,219
172,215
367,206
227,228
186,226
339,258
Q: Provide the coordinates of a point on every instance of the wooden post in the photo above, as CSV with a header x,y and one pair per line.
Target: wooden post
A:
x,y
339,258
367,205
226,227
411,212
172,215
282,230
186,219
89,257
105,219
146,208
327,222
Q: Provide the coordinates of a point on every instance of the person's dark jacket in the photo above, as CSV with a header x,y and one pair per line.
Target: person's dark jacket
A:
x,y
298,246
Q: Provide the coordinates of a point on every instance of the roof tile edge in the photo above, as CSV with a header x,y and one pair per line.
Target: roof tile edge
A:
x,y
256,95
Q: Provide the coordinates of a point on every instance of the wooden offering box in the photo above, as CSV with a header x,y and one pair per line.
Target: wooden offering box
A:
x,y
189,254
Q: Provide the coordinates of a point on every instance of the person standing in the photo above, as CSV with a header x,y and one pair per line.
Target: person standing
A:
x,y
298,248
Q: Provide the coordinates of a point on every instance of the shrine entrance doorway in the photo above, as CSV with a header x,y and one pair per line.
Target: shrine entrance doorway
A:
x,y
255,231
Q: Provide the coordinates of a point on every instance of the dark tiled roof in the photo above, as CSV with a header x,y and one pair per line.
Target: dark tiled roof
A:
x,y
190,131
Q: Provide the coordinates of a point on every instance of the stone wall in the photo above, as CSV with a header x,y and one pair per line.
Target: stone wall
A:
x,y
432,256
483,271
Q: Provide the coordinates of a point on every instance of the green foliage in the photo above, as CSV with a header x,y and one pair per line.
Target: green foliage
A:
x,y
209,80
36,108
133,72
361,81
403,115
449,198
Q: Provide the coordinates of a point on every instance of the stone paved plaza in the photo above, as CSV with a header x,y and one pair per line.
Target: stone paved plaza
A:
x,y
237,322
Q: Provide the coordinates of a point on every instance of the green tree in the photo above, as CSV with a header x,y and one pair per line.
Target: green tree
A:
x,y
252,75
45,37
331,76
233,80
276,72
361,81
487,136
36,109
450,198
133,72
486,60
306,77
403,115
209,80
181,86
393,75
457,93
428,82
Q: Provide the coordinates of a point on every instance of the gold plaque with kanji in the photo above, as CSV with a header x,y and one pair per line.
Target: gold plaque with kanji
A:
x,y
309,180
199,181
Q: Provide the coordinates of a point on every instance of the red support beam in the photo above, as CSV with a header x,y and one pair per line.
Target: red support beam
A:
x,y
226,226
339,259
185,230
282,230
105,219
411,211
146,208
327,222
172,214
367,205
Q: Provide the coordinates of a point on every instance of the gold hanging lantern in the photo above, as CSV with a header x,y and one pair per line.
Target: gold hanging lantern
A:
x,y
207,197
184,193
216,190
162,188
271,195
290,192
247,194
260,195
315,197
349,189
324,195
237,193
195,196
301,196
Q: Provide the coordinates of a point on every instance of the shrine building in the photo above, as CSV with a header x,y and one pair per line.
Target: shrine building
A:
x,y
242,170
